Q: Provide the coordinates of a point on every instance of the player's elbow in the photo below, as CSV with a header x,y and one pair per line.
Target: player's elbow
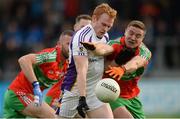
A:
x,y
26,59
21,60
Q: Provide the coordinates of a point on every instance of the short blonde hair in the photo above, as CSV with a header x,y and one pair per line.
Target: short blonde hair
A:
x,y
138,24
83,16
104,8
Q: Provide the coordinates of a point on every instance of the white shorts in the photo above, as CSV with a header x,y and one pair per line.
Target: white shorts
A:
x,y
70,102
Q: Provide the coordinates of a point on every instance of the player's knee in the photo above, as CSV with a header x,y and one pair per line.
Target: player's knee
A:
x,y
46,113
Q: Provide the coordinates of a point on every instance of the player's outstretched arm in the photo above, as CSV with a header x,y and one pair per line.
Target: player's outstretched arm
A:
x,y
135,63
100,49
138,61
132,65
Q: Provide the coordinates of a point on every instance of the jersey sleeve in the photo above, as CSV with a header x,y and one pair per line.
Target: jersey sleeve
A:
x,y
45,57
81,36
115,45
145,52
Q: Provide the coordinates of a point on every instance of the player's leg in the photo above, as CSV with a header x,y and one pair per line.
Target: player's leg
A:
x,y
20,104
127,108
103,111
41,111
52,102
136,108
11,105
122,112
98,109
119,108
69,103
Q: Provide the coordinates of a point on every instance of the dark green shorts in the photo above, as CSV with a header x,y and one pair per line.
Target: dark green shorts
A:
x,y
133,105
12,105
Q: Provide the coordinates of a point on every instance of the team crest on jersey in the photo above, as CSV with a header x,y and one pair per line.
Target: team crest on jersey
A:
x,y
56,74
81,49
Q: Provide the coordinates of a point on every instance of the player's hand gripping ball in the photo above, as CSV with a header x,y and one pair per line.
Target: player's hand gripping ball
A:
x,y
107,90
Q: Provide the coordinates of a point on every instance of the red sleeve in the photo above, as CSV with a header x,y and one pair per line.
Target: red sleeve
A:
x,y
117,48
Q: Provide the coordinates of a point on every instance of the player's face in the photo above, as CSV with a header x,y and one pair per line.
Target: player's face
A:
x,y
65,45
81,23
102,24
133,36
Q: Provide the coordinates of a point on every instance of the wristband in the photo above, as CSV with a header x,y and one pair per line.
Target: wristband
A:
x,y
123,67
35,83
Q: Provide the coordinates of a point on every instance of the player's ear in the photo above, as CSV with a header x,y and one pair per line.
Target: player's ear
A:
x,y
58,42
75,27
94,18
125,32
144,35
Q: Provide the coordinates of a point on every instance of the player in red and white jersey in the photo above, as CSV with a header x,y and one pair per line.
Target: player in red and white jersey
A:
x,y
127,61
39,71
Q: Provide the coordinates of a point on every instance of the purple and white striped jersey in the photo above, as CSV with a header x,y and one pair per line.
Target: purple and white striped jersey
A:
x,y
95,65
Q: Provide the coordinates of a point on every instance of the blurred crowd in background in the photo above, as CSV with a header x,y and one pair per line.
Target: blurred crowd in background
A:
x,y
30,25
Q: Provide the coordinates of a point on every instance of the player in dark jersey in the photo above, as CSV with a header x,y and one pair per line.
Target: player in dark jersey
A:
x,y
39,71
127,60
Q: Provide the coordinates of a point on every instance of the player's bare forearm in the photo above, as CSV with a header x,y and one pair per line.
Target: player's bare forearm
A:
x,y
81,63
100,49
26,63
135,63
103,49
